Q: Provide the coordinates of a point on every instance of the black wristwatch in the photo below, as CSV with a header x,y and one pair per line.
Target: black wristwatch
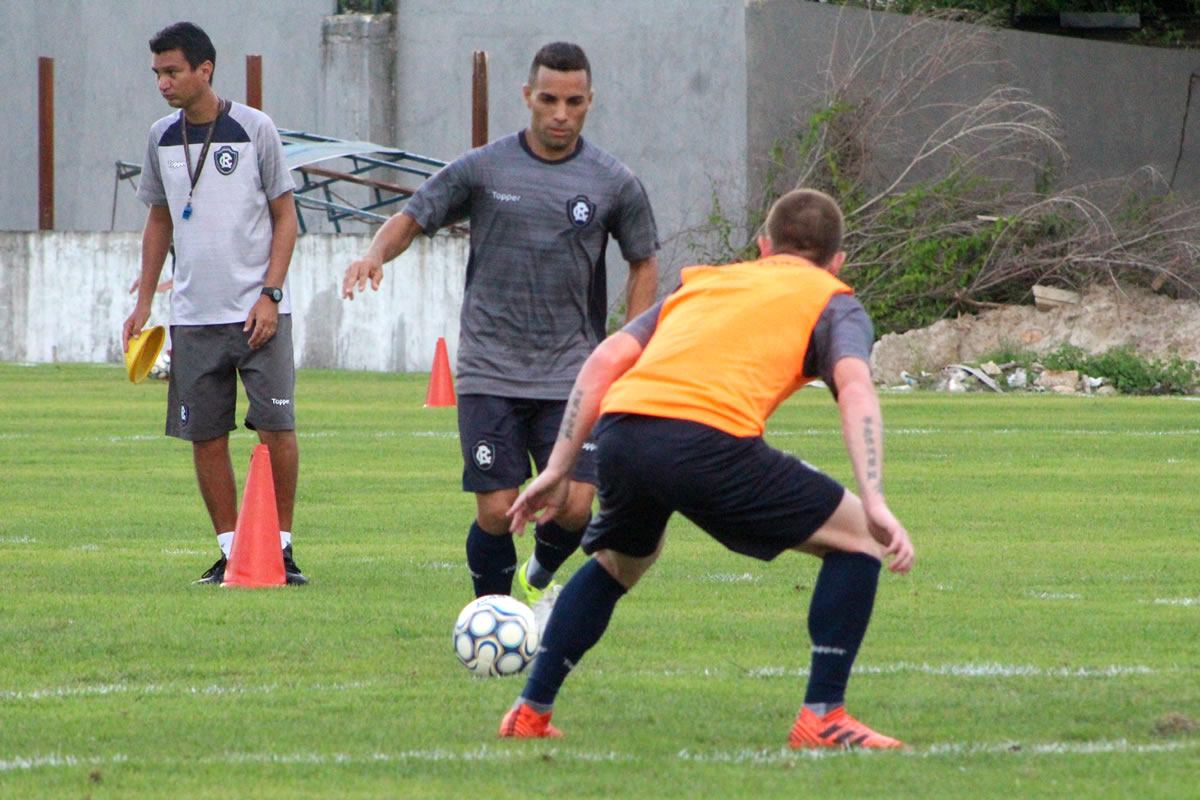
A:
x,y
274,293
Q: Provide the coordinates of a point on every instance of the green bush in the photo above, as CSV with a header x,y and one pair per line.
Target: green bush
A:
x,y
1129,372
909,281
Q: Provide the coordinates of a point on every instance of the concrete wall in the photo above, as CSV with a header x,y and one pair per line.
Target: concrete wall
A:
x,y
105,96
357,95
64,297
1121,107
669,78
689,93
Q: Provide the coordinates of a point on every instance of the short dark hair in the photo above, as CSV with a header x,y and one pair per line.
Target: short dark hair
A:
x,y
807,223
561,57
188,38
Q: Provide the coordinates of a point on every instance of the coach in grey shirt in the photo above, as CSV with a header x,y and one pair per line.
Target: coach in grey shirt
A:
x,y
542,205
217,186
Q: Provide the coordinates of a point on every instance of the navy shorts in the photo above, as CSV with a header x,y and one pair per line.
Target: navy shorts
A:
x,y
499,436
747,495
202,390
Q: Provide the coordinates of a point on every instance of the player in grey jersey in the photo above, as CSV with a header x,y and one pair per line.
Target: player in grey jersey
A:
x,y
542,205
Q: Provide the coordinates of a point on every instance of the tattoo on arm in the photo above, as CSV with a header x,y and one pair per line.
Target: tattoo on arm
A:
x,y
571,417
872,448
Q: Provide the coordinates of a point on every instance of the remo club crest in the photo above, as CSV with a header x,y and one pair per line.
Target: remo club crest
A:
x,y
484,455
226,160
580,211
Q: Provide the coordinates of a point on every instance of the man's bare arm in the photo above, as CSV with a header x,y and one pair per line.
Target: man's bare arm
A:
x,y
641,286
392,239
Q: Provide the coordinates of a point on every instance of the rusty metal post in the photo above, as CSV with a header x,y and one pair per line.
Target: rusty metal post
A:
x,y
254,82
45,144
479,99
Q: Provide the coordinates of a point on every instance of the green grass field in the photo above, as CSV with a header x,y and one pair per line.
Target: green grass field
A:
x,y
1047,643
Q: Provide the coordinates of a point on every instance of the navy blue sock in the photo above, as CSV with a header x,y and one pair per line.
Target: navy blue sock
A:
x,y
580,618
492,561
554,545
837,622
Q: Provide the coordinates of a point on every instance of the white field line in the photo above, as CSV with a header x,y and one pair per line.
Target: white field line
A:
x,y
730,577
142,437
1177,601
991,432
105,689
484,753
1011,748
985,670
771,433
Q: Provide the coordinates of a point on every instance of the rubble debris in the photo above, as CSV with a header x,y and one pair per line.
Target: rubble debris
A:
x,y
1048,297
979,374
1063,381
1107,317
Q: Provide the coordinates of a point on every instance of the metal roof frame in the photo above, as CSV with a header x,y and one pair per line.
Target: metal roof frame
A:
x,y
318,183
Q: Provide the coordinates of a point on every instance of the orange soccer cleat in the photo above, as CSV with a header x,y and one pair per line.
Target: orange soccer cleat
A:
x,y
523,722
835,729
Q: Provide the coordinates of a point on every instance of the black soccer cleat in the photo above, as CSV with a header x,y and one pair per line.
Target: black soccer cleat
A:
x,y
293,574
215,574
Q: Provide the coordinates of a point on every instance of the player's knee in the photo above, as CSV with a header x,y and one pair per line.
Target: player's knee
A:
x,y
491,510
625,570
578,509
845,531
868,546
493,523
573,519
493,518
217,445
277,438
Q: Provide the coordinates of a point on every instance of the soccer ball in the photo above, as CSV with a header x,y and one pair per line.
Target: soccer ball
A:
x,y
495,635
162,367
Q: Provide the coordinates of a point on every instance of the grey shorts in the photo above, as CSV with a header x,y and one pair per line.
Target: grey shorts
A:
x,y
202,392
499,436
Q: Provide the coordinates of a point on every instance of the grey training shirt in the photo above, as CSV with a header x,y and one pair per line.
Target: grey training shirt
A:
x,y
535,302
223,248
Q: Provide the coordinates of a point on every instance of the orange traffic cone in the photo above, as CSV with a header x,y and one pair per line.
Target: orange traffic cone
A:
x,y
256,556
441,385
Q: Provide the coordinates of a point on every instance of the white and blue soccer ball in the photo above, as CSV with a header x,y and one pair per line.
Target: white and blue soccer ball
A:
x,y
496,635
162,367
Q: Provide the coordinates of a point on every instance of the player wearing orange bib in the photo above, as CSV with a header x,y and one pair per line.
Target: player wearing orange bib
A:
x,y
679,399
733,348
